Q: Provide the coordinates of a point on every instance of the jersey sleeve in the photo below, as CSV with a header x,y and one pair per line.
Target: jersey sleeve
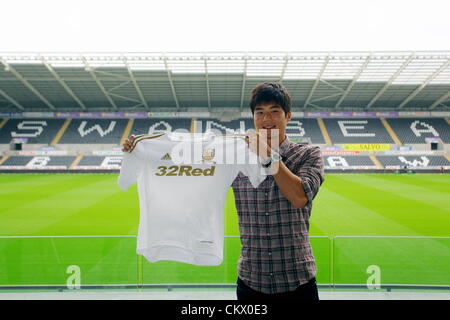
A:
x,y
251,167
130,170
255,173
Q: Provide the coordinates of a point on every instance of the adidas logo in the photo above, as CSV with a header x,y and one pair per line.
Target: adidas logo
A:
x,y
166,157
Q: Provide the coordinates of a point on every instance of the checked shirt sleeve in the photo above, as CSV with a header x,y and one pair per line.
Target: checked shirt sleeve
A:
x,y
311,173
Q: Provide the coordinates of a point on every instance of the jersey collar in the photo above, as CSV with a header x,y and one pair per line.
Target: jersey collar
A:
x,y
191,137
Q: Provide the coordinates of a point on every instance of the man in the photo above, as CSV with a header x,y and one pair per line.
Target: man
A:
x,y
276,260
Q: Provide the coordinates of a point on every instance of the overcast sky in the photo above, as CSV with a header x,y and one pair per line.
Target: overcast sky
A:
x,y
226,25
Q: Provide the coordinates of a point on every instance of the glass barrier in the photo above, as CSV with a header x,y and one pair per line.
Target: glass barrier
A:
x,y
322,251
368,262
67,261
169,272
381,261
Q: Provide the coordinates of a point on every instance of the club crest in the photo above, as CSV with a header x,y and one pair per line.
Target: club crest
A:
x,y
208,155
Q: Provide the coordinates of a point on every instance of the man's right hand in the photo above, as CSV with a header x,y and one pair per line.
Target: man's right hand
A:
x,y
128,143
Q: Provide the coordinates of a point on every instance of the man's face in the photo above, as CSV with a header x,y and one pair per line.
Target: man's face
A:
x,y
271,116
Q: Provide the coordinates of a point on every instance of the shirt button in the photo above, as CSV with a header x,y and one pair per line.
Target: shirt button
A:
x,y
266,194
270,253
267,213
268,234
271,274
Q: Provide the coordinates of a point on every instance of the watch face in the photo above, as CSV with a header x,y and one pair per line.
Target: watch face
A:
x,y
276,157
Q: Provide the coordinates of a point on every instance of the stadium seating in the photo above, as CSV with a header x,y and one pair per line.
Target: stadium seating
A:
x,y
97,136
223,127
296,128
415,130
20,162
37,131
414,161
151,126
342,161
95,131
113,162
342,131
99,161
305,128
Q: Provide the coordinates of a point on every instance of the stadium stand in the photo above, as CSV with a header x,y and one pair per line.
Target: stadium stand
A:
x,y
110,131
98,131
223,127
36,131
346,161
151,126
305,128
415,130
33,162
296,129
93,162
414,161
93,144
357,130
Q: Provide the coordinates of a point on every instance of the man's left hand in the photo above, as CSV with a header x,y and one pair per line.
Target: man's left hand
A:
x,y
257,143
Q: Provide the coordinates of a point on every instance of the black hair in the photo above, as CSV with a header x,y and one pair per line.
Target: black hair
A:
x,y
268,92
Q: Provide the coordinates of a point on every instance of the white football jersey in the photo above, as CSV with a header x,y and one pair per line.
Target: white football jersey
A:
x,y
183,180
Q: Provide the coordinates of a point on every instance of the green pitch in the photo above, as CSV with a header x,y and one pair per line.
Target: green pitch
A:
x,y
360,205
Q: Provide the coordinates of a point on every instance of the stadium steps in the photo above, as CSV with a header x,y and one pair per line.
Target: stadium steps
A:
x,y
324,131
2,160
76,161
447,119
127,131
376,161
447,157
60,132
2,124
391,132
193,125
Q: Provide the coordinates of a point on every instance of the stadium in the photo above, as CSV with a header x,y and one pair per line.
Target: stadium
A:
x,y
382,120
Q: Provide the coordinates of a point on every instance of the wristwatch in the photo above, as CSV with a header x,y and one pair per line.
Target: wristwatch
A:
x,y
274,157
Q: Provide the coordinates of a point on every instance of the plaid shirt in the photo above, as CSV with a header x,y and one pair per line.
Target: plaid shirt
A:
x,y
276,254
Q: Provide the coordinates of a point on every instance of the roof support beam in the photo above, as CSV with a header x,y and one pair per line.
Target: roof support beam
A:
x,y
244,78
283,71
119,86
207,84
102,88
125,98
27,84
332,85
14,102
442,99
63,84
327,97
110,92
136,86
113,75
391,79
424,84
316,106
355,78
316,83
169,75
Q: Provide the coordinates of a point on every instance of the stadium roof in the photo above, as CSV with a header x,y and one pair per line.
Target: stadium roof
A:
x,y
317,81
